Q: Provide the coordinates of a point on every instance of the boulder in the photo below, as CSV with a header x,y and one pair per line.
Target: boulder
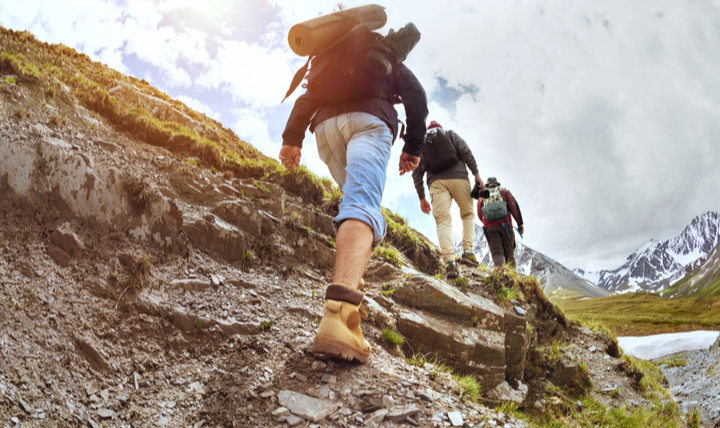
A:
x,y
438,297
470,350
217,236
565,372
65,239
516,344
241,214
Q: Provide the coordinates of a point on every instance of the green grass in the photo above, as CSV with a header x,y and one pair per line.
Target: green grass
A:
x,y
695,284
673,361
392,338
388,254
412,244
470,386
638,314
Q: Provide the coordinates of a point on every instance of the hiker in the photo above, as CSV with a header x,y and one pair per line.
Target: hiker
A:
x,y
496,210
445,159
354,139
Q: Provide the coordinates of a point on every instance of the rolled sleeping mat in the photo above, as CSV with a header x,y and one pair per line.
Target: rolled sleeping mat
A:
x,y
317,34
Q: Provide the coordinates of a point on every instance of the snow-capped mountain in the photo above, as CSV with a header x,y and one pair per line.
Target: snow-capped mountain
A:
x,y
658,264
702,278
556,279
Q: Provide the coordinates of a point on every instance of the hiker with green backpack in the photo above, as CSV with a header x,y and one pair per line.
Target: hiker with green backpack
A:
x,y
445,158
355,77
496,208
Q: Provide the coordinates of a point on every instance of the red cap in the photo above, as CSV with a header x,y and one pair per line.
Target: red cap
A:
x,y
434,124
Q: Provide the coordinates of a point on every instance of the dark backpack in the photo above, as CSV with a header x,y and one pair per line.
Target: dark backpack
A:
x,y
357,66
340,75
439,152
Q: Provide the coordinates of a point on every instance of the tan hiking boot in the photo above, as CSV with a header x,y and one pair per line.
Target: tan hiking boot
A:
x,y
339,334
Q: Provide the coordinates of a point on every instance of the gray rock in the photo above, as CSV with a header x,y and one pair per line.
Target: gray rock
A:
x,y
456,419
517,342
306,407
93,424
15,420
293,420
324,391
427,396
231,327
327,378
399,414
520,311
25,406
106,414
144,384
376,418
191,284
59,256
218,236
163,421
122,399
94,398
65,238
92,387
91,354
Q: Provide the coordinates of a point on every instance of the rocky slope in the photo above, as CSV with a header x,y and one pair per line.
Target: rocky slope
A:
x,y
158,271
659,264
557,280
693,381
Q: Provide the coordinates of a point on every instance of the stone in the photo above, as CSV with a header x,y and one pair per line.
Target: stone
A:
x,y
280,414
376,418
218,236
65,238
231,327
94,398
25,406
381,272
388,401
15,420
93,424
241,214
472,350
318,366
378,315
399,414
323,391
94,358
504,393
162,421
304,312
59,256
306,407
122,399
456,419
105,394
565,372
517,343
327,378
427,396
144,384
92,387
239,283
520,311
191,284
293,420
106,414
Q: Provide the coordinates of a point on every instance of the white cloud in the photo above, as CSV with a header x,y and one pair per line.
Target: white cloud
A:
x,y
198,106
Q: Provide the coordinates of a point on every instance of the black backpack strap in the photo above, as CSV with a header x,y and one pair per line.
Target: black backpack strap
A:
x,y
299,75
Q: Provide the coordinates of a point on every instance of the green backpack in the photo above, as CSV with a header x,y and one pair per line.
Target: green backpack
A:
x,y
494,207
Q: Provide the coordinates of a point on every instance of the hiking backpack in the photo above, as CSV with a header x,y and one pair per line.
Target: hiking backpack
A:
x,y
439,152
356,66
494,208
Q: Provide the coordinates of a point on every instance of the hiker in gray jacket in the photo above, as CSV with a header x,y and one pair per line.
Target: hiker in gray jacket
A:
x,y
449,182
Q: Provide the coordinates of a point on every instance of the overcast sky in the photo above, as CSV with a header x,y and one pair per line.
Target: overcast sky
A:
x,y
602,118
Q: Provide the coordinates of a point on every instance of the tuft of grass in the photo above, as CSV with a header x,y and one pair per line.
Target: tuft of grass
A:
x,y
462,282
470,387
266,325
392,338
673,361
412,244
247,258
388,254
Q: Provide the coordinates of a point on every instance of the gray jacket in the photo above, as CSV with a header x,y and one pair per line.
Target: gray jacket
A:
x,y
459,170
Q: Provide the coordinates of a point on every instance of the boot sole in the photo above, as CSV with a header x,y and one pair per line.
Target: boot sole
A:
x,y
338,350
468,263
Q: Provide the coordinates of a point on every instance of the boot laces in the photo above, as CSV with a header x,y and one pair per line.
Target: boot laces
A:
x,y
362,311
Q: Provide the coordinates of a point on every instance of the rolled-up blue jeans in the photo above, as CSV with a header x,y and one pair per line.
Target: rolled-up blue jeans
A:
x,y
356,148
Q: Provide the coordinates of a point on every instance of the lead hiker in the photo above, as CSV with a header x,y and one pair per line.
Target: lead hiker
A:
x,y
351,89
445,158
496,209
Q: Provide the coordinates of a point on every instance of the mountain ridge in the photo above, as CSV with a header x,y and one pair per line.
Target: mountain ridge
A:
x,y
659,264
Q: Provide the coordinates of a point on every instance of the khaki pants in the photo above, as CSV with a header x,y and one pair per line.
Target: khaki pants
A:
x,y
442,193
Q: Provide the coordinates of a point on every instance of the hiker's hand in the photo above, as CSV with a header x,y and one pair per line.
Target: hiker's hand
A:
x,y
408,163
479,181
522,229
424,206
290,156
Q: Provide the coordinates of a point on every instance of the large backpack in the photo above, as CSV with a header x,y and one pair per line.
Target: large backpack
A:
x,y
339,75
439,152
494,207
357,66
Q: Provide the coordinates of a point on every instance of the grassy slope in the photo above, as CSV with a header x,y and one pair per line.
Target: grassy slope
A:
x,y
638,314
706,288
56,72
